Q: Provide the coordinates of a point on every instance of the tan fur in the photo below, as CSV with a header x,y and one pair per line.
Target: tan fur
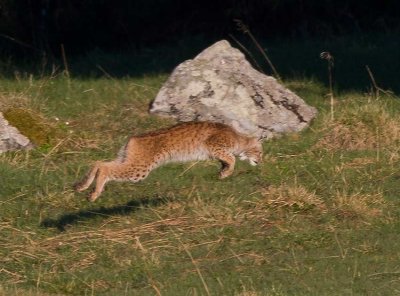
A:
x,y
184,142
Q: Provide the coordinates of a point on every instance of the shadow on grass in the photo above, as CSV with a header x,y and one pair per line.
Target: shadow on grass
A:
x,y
75,217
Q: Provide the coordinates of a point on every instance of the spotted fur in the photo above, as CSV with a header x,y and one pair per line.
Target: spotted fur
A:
x,y
184,142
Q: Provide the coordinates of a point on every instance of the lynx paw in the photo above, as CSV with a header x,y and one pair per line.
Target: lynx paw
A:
x,y
78,187
92,197
224,174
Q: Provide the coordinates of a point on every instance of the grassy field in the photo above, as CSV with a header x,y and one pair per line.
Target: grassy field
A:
x,y
320,216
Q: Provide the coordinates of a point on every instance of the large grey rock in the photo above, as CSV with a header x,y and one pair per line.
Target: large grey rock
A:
x,y
11,138
221,85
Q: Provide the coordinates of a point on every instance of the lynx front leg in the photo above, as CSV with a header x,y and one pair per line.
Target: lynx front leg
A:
x,y
228,163
216,147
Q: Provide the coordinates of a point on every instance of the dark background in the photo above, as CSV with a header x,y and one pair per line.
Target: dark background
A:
x,y
29,26
120,38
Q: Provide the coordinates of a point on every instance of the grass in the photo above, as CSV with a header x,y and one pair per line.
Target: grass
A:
x,y
319,216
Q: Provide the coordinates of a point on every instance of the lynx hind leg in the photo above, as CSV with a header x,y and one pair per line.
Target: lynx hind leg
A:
x,y
102,176
100,172
116,171
87,180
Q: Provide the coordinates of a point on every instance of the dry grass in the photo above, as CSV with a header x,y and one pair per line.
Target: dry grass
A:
x,y
355,164
295,197
249,293
26,101
17,292
359,206
368,127
14,100
148,238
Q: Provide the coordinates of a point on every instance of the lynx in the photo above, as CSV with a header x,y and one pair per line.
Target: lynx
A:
x,y
184,142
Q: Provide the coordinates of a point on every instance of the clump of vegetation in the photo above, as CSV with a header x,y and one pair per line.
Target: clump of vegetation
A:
x,y
296,198
14,100
359,206
32,125
368,127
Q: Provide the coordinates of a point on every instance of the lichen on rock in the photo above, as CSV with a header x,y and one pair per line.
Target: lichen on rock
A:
x,y
11,138
31,125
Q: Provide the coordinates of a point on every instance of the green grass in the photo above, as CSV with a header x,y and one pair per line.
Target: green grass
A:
x,y
318,217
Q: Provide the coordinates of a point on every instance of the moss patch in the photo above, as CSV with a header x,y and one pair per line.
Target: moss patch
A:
x,y
31,125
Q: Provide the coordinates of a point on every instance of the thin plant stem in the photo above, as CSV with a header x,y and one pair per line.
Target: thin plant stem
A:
x,y
375,86
64,57
247,52
245,29
329,58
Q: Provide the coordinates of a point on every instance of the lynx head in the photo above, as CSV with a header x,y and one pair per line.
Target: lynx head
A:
x,y
252,152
